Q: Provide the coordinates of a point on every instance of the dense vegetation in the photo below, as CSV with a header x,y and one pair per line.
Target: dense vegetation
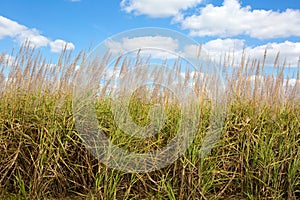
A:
x,y
42,155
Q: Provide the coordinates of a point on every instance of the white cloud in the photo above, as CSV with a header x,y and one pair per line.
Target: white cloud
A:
x,y
21,33
231,19
154,46
289,51
196,52
58,45
32,35
151,42
224,45
214,49
157,8
9,28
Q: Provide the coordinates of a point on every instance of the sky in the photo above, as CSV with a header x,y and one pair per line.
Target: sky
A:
x,y
219,25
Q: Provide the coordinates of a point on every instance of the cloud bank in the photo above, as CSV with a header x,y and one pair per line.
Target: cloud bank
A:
x,y
154,46
227,21
167,47
230,19
21,33
289,51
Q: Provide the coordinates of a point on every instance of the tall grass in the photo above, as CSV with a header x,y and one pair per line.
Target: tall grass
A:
x,y
43,157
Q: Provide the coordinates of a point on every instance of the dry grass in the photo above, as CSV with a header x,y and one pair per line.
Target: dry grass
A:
x,y
42,156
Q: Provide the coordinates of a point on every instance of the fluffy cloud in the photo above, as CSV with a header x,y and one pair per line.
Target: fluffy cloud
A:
x,y
221,45
32,35
157,8
57,45
151,42
196,52
21,33
289,51
156,46
10,28
167,48
231,19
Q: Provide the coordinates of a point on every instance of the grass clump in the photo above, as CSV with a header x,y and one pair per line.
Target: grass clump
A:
x,y
43,157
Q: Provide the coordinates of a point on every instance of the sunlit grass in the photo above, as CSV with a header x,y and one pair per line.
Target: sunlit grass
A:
x,y
42,156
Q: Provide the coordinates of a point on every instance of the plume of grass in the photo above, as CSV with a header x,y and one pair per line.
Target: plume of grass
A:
x,y
43,157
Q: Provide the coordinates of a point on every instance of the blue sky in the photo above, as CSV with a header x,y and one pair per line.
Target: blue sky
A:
x,y
220,25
